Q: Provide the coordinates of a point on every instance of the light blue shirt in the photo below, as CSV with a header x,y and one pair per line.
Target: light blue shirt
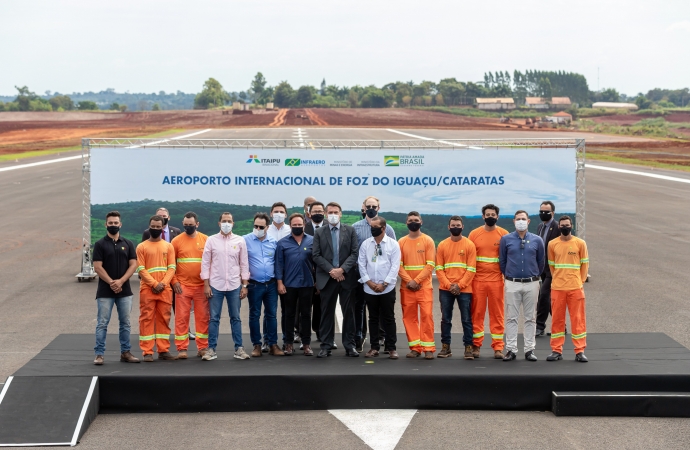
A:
x,y
261,256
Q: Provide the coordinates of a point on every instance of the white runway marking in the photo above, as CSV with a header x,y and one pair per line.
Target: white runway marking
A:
x,y
176,137
456,144
634,172
380,429
50,161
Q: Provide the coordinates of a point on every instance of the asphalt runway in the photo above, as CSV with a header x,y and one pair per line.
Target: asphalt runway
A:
x,y
637,232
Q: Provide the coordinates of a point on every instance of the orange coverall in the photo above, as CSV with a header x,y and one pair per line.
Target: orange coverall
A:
x,y
156,264
488,284
456,263
417,263
188,251
569,265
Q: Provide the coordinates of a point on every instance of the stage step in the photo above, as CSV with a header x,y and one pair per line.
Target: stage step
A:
x,y
632,404
41,411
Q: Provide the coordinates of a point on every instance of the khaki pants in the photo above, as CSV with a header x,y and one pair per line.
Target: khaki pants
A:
x,y
527,295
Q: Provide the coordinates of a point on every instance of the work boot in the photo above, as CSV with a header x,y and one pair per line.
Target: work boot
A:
x,y
257,351
580,357
99,360
200,353
166,356
428,355
289,349
128,357
393,354
148,358
498,354
413,354
445,352
182,354
468,352
554,356
276,351
475,351
240,353
308,351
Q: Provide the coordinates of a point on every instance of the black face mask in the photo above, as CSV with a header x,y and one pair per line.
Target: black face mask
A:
x,y
155,232
297,231
490,221
371,213
317,218
414,226
565,230
364,214
376,231
190,229
113,229
165,221
545,216
456,231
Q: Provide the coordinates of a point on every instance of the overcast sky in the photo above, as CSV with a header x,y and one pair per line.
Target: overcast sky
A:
x,y
149,46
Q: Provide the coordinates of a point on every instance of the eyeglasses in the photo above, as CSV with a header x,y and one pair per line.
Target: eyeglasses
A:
x,y
259,227
378,248
371,207
522,244
544,212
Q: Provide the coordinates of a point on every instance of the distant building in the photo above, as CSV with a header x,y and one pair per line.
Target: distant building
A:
x,y
615,105
494,104
560,117
544,103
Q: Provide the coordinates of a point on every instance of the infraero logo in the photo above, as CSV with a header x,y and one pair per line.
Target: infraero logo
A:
x,y
391,161
253,158
293,162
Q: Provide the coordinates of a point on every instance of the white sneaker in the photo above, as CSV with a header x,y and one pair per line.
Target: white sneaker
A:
x,y
209,355
241,354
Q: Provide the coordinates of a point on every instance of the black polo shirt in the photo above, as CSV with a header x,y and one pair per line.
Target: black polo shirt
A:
x,y
115,256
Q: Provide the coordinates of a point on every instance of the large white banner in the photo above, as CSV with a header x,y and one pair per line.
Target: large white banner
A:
x,y
439,182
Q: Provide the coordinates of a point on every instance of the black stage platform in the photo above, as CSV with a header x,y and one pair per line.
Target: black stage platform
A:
x,y
630,362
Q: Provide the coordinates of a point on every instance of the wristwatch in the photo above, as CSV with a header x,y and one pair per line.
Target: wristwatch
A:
x,y
245,286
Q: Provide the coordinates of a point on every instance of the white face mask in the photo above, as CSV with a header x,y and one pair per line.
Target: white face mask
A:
x,y
259,233
521,224
279,217
333,219
226,227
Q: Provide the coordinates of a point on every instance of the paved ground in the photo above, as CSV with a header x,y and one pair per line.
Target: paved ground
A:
x,y
637,231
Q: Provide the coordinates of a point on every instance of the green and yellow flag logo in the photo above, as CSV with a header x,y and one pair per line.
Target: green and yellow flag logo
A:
x,y
293,162
391,161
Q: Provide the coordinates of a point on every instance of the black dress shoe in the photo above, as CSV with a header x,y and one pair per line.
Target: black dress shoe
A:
x,y
358,345
554,356
530,356
351,352
509,356
580,357
323,353
539,333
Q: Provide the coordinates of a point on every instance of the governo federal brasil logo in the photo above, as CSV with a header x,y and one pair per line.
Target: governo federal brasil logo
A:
x,y
397,161
391,161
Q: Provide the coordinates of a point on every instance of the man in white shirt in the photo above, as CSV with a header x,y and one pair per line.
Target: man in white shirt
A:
x,y
278,230
379,262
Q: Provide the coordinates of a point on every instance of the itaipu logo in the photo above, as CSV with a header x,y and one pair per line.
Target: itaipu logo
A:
x,y
264,162
397,161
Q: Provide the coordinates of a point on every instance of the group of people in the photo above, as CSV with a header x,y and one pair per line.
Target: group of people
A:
x,y
311,261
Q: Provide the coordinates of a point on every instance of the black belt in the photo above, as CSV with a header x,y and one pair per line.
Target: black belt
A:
x,y
271,281
523,280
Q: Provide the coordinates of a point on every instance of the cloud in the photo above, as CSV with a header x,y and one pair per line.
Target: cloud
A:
x,y
683,25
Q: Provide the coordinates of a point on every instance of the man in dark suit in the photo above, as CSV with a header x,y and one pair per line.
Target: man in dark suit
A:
x,y
335,251
169,232
547,230
317,212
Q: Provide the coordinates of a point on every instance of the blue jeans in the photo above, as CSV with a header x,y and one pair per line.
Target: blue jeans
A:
x,y
216,306
447,304
266,294
105,309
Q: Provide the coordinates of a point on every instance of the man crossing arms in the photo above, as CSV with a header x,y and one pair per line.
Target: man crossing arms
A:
x,y
417,252
569,263
189,287
488,283
456,264
156,268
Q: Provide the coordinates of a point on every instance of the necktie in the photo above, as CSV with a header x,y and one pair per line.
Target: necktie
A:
x,y
334,238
